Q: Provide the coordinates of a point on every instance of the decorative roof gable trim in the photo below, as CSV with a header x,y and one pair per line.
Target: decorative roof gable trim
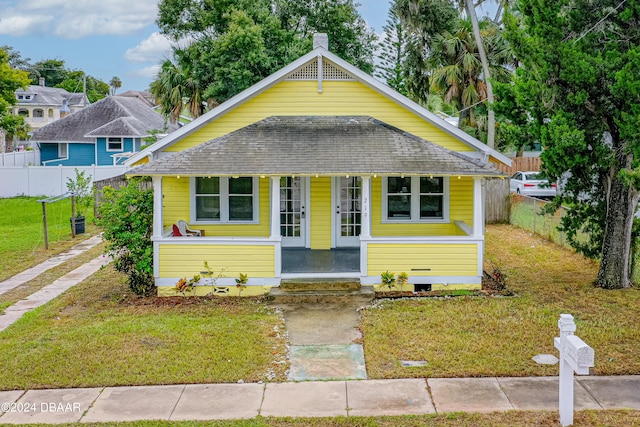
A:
x,y
329,72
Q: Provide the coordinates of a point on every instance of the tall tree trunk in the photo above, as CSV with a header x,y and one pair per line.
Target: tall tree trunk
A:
x,y
491,122
616,247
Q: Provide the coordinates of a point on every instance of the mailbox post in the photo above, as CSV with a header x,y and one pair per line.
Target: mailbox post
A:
x,y
575,356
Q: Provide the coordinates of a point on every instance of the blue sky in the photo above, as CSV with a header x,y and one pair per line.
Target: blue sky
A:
x,y
105,38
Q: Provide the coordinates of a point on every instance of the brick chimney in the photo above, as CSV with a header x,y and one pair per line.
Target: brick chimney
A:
x,y
321,40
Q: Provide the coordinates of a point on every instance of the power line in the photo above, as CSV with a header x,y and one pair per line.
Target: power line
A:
x,y
599,22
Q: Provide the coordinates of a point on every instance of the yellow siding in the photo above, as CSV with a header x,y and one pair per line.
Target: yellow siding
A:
x,y
337,98
460,209
440,259
320,213
177,206
188,260
461,199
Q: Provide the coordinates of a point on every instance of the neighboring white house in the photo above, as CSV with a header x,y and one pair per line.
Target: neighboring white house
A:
x,y
41,105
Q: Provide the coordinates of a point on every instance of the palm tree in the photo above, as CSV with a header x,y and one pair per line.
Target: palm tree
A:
x,y
176,89
115,84
418,21
457,72
491,125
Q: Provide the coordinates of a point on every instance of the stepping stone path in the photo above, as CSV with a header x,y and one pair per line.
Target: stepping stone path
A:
x,y
324,341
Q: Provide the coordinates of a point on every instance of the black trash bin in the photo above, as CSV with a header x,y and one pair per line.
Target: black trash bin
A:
x,y
79,225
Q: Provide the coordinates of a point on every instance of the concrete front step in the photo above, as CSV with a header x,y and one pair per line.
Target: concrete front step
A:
x,y
306,285
364,295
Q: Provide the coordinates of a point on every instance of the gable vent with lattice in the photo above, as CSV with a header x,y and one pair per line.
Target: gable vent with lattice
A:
x,y
310,72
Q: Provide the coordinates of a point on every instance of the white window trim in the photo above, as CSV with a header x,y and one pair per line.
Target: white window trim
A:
x,y
111,150
224,202
64,155
415,202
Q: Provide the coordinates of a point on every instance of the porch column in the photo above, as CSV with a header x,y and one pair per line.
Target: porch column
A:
x,y
365,229
275,224
478,207
275,207
365,226
158,214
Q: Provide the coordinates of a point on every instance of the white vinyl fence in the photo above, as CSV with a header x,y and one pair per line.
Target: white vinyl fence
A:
x,y
36,181
20,158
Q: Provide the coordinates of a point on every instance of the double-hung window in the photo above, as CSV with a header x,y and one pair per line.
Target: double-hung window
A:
x,y
63,150
114,144
416,199
225,200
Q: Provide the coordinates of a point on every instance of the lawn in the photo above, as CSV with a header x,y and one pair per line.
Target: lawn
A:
x,y
97,334
22,230
498,336
599,418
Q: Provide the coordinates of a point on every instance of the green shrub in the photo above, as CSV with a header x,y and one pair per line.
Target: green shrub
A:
x,y
126,215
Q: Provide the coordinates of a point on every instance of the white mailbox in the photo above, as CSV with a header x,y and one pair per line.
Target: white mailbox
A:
x,y
577,353
575,356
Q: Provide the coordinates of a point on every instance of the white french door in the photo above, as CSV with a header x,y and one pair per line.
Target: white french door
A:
x,y
293,196
348,210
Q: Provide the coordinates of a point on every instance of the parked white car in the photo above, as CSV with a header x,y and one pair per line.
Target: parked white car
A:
x,y
532,184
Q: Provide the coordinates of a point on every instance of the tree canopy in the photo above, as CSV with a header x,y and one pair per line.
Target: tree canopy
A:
x,y
227,46
11,79
578,88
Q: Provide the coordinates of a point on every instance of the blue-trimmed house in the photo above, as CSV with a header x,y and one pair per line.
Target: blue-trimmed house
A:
x,y
105,133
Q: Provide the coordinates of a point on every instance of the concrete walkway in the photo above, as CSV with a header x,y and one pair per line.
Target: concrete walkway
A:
x,y
312,399
33,272
49,292
324,341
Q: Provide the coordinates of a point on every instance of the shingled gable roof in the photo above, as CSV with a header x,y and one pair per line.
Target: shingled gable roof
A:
x,y
322,145
50,96
111,116
124,126
281,75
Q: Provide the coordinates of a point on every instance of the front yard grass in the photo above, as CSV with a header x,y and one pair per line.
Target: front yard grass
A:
x,y
21,227
498,336
96,334
600,418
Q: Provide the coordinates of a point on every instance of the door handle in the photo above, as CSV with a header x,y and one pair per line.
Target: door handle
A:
x,y
302,214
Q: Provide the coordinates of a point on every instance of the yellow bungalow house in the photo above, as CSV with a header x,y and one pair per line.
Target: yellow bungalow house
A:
x,y
319,171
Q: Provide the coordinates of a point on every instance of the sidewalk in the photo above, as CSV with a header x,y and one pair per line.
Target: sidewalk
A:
x,y
312,399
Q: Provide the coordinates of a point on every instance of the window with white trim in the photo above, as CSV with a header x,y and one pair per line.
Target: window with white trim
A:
x,y
415,199
63,150
115,144
225,200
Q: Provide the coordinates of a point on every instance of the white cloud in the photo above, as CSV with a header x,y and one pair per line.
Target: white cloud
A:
x,y
24,25
152,49
77,18
148,72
